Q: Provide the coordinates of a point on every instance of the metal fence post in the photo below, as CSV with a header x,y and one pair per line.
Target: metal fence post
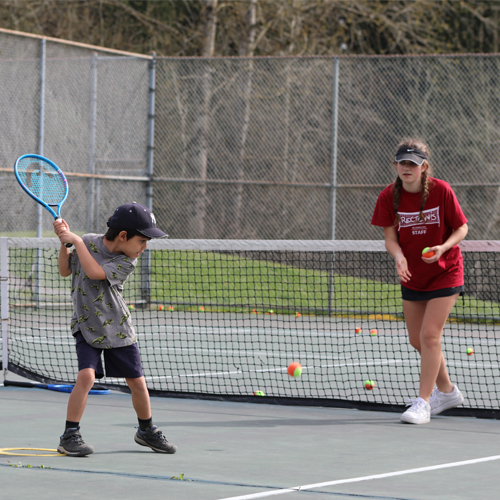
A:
x,y
4,290
93,111
41,130
37,269
146,256
333,179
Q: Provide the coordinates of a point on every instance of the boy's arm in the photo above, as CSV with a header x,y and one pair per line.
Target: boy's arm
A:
x,y
90,266
64,269
92,269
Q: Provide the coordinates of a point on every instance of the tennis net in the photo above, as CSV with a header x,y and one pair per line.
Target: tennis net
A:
x,y
223,319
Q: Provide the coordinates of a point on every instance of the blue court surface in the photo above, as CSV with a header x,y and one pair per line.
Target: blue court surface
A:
x,y
230,450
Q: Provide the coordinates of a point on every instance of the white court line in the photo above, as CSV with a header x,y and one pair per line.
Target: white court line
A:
x,y
294,489
270,370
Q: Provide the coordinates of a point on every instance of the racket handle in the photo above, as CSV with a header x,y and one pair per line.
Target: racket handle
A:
x,y
67,245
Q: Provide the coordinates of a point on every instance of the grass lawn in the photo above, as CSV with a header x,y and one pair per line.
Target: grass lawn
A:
x,y
220,281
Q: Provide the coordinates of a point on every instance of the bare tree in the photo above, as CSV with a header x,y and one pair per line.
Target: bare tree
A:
x,y
178,27
197,148
234,203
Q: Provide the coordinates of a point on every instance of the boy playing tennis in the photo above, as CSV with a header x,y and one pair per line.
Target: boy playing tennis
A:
x,y
101,322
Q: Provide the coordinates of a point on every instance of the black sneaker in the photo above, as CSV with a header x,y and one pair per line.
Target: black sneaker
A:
x,y
73,445
154,438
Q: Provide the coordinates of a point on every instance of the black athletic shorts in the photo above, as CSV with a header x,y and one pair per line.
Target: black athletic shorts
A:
x,y
121,362
414,295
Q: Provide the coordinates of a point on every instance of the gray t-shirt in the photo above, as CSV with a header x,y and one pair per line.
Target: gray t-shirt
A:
x,y
101,313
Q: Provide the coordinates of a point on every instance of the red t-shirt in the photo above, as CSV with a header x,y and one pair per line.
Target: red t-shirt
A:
x,y
443,215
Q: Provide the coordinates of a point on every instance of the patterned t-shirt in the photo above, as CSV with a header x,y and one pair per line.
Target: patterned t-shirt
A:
x,y
101,313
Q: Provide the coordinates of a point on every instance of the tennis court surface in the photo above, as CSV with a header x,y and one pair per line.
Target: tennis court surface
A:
x,y
219,320
243,450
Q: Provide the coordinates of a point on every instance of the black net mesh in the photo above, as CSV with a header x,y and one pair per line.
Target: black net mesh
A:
x,y
226,319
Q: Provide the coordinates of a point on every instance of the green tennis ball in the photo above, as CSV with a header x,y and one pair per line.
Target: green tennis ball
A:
x,y
131,307
427,253
258,393
295,369
470,351
369,384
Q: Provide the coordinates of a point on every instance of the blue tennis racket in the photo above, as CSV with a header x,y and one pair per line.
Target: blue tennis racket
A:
x,y
44,181
96,389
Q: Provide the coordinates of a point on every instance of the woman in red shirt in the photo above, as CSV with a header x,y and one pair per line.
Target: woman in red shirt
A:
x,y
419,211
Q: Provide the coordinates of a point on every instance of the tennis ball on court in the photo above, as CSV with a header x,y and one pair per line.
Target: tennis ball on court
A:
x,y
258,393
160,308
426,253
369,384
170,308
298,315
295,369
270,311
201,308
470,351
358,330
131,307
373,332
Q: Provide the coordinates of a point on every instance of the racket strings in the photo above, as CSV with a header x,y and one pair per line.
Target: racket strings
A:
x,y
42,180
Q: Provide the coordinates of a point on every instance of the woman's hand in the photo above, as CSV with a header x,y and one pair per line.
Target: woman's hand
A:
x,y
438,251
402,268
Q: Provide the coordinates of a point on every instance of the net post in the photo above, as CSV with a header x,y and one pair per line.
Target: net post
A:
x,y
4,291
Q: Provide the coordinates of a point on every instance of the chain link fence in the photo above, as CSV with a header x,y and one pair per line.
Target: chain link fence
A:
x,y
261,148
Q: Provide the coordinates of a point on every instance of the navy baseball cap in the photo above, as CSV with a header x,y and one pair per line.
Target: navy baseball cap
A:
x,y
138,217
407,153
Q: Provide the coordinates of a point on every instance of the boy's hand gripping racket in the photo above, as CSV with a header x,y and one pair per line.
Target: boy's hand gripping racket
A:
x,y
44,181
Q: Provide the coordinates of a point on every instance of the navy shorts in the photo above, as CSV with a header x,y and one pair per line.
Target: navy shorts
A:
x,y
121,362
414,295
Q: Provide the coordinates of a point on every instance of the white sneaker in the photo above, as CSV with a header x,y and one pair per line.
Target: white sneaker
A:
x,y
418,413
441,401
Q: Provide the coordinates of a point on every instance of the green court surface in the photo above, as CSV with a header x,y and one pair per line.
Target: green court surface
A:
x,y
244,451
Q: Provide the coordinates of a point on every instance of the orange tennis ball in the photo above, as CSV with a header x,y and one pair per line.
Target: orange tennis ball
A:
x,y
373,332
160,308
298,315
358,330
470,351
295,369
426,253
170,308
369,384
